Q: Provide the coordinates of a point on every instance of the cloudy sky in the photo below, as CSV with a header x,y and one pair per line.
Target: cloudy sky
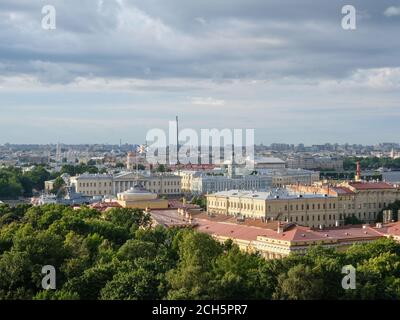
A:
x,y
114,69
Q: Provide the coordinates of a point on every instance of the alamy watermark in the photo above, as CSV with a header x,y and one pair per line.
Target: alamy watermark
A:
x,y
209,146
349,21
49,18
49,280
349,281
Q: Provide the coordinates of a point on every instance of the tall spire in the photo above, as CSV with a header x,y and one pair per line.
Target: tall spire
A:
x,y
177,141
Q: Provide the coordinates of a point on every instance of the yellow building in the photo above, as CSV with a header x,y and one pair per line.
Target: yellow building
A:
x,y
312,206
93,184
139,198
292,238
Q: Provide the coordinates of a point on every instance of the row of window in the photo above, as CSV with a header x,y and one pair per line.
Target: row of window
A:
x,y
365,215
94,184
166,183
247,206
167,191
92,193
309,207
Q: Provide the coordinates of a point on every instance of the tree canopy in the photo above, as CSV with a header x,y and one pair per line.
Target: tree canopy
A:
x,y
117,254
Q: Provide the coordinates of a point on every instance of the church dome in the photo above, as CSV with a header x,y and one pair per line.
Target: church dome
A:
x,y
137,193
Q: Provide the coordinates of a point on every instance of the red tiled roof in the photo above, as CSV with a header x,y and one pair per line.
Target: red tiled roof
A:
x,y
169,218
102,206
343,190
294,234
230,230
391,229
179,204
371,185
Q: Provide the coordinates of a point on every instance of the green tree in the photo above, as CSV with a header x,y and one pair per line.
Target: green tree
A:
x,y
300,283
137,284
59,184
197,253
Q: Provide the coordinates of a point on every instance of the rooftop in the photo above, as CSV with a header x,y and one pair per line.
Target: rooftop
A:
x,y
94,176
371,185
273,194
294,233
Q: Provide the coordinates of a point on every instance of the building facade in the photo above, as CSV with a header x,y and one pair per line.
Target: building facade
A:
x,y
292,238
93,184
312,206
104,184
162,184
203,183
314,163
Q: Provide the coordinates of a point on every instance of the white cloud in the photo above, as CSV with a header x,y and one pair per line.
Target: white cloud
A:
x,y
392,11
209,101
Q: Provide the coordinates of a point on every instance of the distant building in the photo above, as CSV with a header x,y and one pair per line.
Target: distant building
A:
x,y
130,161
269,163
281,178
314,163
159,183
107,184
203,183
93,184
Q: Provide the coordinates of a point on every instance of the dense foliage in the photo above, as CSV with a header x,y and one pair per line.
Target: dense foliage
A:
x,y
15,183
201,201
74,170
117,255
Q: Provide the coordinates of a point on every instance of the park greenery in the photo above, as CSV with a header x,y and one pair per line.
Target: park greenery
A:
x,y
15,183
118,255
74,170
371,163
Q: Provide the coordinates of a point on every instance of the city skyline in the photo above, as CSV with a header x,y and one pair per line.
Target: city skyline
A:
x,y
113,70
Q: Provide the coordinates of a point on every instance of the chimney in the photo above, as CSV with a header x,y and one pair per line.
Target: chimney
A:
x,y
358,172
279,227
